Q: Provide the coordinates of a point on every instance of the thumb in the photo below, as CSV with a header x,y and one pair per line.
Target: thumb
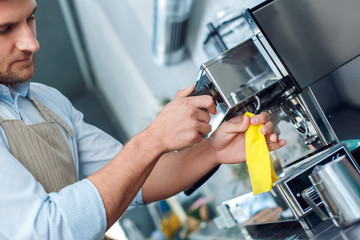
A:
x,y
236,127
184,92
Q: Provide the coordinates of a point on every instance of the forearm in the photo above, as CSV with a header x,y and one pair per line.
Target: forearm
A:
x,y
177,171
120,180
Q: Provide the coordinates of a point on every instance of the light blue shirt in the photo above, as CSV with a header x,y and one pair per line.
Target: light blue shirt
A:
x,y
26,210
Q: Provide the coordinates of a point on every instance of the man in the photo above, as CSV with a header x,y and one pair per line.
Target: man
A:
x,y
64,179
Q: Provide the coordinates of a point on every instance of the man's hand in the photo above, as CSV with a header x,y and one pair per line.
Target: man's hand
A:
x,y
183,122
228,141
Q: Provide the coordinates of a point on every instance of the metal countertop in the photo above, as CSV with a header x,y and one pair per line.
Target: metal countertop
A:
x,y
280,230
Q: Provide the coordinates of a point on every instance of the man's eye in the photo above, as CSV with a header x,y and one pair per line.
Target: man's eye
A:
x,y
31,18
4,30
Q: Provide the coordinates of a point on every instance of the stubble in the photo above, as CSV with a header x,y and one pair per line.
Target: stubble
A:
x,y
24,75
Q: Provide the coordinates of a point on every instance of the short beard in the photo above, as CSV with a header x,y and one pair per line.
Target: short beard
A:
x,y
14,78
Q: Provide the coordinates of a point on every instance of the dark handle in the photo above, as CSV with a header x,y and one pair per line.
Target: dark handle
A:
x,y
207,90
201,181
204,90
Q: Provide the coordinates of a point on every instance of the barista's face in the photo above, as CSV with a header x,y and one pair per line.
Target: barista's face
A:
x,y
17,40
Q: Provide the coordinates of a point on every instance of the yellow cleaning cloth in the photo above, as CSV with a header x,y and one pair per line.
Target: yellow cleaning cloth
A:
x,y
261,170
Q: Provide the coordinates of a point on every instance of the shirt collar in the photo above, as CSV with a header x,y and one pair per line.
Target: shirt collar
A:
x,y
19,89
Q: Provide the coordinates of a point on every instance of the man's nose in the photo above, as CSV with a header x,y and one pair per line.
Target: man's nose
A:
x,y
26,40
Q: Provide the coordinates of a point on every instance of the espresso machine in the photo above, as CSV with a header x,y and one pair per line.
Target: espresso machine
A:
x,y
292,67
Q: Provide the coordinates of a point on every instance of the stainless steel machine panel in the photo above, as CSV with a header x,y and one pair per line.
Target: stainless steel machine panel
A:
x,y
246,71
312,38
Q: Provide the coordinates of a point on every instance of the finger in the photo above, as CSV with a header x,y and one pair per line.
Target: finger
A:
x,y
203,116
236,127
184,92
276,145
236,119
271,138
268,128
274,137
261,118
204,102
204,129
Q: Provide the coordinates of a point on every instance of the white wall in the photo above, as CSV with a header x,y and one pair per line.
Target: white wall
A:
x,y
120,52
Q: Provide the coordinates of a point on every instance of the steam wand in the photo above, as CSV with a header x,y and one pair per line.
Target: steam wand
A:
x,y
258,106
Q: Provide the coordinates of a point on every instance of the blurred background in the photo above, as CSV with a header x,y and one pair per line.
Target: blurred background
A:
x,y
120,61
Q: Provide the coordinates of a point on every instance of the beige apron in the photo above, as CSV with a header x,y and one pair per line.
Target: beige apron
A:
x,y
42,149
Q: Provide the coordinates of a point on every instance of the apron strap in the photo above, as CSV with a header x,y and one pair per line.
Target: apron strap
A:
x,y
49,115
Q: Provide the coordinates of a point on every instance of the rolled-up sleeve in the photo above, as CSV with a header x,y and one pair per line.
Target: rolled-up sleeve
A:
x,y
86,215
